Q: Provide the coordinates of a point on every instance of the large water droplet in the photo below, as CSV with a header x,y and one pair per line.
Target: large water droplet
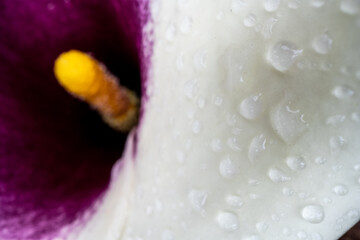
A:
x,y
340,190
228,168
313,213
234,201
257,146
288,124
277,175
322,44
283,55
343,92
197,199
295,163
250,20
227,221
271,5
350,7
251,107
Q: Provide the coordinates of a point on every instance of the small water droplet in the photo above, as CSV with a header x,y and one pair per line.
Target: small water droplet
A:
x,y
317,3
227,221
251,107
313,213
350,7
257,146
200,60
170,32
316,236
253,182
167,235
216,145
228,168
237,5
201,103
180,156
234,144
252,237
271,5
320,160
327,200
357,167
283,55
287,191
197,199
296,163
287,123
294,4
355,116
190,89
335,120
301,235
340,190
250,20
343,92
275,217
337,142
262,226
287,231
218,101
196,127
353,214
268,27
220,15
234,201
186,25
277,175
322,43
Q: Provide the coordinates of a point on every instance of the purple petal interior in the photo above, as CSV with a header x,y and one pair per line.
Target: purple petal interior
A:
x,y
55,152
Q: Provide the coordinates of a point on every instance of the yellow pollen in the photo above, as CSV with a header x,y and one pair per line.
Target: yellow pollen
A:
x,y
87,79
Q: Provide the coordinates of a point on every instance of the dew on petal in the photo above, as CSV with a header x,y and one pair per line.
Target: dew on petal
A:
x,y
228,168
343,92
350,7
197,199
271,5
277,175
295,163
283,55
227,221
313,213
340,190
257,146
322,43
250,20
251,107
234,201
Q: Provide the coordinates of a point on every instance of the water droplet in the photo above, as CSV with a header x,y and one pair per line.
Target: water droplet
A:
x,y
237,5
295,163
190,89
337,142
186,25
271,5
197,199
357,167
218,101
353,214
322,44
316,236
170,32
277,175
317,3
283,55
287,231
227,221
359,180
350,7
216,145
313,213
196,127
340,190
294,4
167,235
355,116
251,107
257,146
228,168
234,201
327,200
275,217
343,92
250,20
287,123
199,59
320,160
220,15
287,191
201,103
262,226
234,144
301,235
253,237
335,120
253,182
268,27
180,156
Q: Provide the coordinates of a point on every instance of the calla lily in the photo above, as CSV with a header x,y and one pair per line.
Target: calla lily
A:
x,y
228,146
56,153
